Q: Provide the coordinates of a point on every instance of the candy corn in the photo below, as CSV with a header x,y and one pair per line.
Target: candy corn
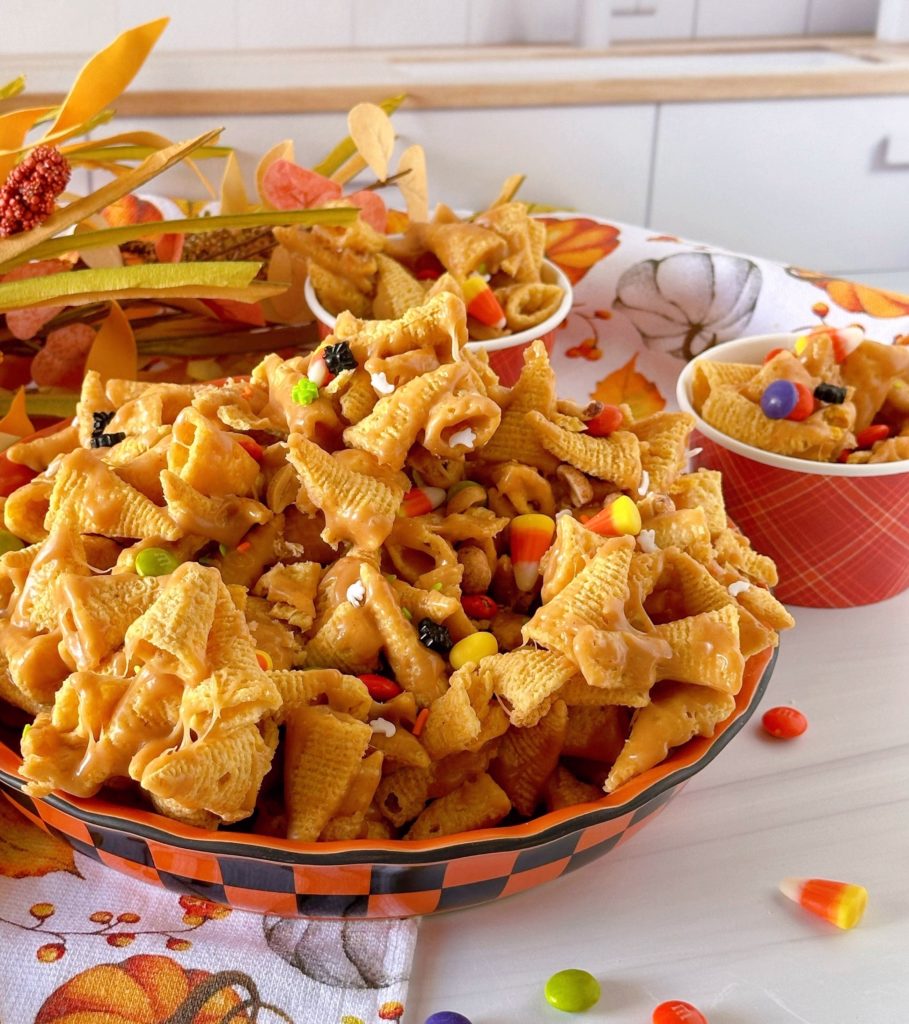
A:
x,y
264,660
840,903
618,518
481,302
420,500
318,371
531,535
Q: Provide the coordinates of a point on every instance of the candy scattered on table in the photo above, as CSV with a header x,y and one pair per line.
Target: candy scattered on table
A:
x,y
473,648
380,688
155,562
779,399
785,723
840,903
531,535
572,991
619,518
675,1011
420,500
447,1017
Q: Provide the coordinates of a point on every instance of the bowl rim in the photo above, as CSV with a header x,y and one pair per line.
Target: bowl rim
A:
x,y
558,276
683,763
725,352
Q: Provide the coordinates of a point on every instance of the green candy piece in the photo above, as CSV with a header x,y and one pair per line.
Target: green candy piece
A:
x,y
155,562
459,486
9,542
305,391
572,991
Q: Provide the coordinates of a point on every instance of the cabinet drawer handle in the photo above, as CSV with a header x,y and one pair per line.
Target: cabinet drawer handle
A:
x,y
896,151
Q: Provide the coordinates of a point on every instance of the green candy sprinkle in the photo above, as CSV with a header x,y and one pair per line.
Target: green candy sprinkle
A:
x,y
572,991
305,391
155,562
406,613
25,729
9,542
224,549
437,586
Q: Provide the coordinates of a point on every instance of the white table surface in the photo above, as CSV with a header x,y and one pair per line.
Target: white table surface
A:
x,y
688,908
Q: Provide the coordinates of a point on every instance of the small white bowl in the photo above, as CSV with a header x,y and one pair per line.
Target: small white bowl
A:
x,y
753,350
506,353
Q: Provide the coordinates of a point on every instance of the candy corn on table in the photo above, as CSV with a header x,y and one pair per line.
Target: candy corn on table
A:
x,y
689,910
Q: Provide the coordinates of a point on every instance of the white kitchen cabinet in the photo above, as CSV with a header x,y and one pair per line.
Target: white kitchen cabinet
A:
x,y
593,159
807,182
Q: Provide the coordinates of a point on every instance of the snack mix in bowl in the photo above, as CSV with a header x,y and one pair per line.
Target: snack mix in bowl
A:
x,y
370,594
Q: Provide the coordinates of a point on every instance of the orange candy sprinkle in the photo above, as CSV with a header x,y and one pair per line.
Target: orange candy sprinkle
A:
x,y
678,1012
784,723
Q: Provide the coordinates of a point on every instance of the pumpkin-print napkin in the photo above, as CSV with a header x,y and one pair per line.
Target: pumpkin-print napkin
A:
x,y
83,943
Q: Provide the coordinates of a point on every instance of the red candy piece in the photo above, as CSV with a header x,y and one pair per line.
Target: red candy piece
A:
x,y
678,1012
844,455
804,407
784,722
871,435
428,267
772,354
605,422
252,448
379,687
479,606
13,475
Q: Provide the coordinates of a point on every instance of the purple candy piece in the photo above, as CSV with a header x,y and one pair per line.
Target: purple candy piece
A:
x,y
780,397
447,1017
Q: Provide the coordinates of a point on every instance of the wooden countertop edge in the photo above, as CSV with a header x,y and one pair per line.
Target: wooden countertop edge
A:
x,y
884,80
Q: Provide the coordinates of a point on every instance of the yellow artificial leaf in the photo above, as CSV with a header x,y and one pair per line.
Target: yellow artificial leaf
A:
x,y
16,250
233,192
12,88
228,279
113,352
373,135
412,184
16,421
117,154
49,403
346,148
509,189
107,74
627,384
54,138
281,151
27,851
14,126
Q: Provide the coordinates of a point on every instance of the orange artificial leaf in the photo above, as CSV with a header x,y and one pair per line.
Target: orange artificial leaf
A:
x,y
16,421
577,244
113,353
14,126
627,384
27,851
107,74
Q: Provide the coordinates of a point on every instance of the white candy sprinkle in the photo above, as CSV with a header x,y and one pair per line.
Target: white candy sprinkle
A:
x,y
690,454
356,594
466,437
647,541
383,726
645,483
739,587
563,512
381,383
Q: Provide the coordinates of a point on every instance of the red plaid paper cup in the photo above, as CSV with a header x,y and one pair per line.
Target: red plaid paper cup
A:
x,y
838,533
506,355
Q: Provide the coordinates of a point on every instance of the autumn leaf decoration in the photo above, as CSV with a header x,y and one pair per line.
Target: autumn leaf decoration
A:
x,y
577,244
857,298
627,384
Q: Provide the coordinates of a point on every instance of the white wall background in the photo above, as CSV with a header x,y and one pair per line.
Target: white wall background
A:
x,y
68,26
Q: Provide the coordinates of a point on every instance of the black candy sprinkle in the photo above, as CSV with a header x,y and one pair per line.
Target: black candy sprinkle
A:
x,y
832,394
106,440
434,636
100,420
338,357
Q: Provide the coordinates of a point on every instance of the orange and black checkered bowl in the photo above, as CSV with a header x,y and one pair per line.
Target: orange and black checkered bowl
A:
x,y
367,878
